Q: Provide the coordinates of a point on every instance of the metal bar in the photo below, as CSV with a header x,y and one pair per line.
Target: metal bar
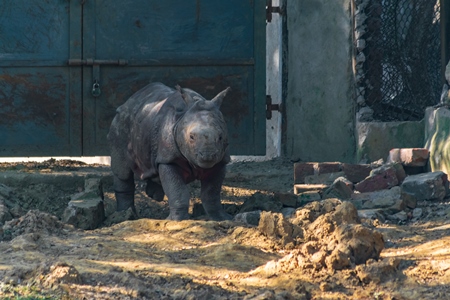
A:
x,y
91,62
32,63
155,62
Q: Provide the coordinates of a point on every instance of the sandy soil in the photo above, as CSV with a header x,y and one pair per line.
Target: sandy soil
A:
x,y
324,251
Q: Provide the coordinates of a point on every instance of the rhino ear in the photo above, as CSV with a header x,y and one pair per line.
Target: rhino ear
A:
x,y
217,100
186,97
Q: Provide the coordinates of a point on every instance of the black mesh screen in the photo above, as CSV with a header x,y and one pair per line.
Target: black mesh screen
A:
x,y
397,57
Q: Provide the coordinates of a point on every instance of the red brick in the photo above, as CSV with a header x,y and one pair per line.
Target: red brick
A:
x,y
328,167
411,157
301,170
382,179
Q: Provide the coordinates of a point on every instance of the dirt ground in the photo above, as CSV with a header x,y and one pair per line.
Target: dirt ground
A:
x,y
323,251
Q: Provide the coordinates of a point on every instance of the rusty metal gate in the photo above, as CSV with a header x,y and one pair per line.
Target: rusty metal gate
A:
x,y
66,65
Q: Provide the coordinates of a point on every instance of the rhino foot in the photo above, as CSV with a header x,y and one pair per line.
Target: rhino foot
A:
x,y
125,201
220,216
178,216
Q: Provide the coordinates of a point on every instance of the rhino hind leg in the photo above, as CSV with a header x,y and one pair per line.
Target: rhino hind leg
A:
x,y
124,192
154,190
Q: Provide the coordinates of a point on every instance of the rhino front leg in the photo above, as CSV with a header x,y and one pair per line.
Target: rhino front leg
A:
x,y
176,190
124,191
210,195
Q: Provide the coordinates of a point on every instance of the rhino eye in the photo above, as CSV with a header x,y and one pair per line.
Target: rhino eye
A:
x,y
220,138
191,136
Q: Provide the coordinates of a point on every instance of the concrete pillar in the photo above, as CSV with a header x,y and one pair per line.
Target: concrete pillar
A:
x,y
319,107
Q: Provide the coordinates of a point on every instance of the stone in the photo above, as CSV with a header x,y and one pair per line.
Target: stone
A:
x,y
84,213
261,201
307,197
5,215
400,172
378,199
356,172
288,212
400,216
413,157
274,225
409,200
417,213
251,217
287,199
341,188
380,178
426,186
371,214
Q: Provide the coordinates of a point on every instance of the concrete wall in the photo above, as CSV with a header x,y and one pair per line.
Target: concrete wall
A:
x,y
319,108
376,139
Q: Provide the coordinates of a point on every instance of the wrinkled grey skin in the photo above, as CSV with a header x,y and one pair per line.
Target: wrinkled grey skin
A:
x,y
170,137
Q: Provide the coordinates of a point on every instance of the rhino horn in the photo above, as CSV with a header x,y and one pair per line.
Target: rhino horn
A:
x,y
217,100
187,98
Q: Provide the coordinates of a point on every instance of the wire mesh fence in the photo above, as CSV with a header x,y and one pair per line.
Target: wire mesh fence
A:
x,y
397,58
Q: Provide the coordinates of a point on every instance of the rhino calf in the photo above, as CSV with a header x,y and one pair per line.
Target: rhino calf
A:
x,y
170,137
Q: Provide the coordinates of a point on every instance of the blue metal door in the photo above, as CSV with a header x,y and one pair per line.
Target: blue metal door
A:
x,y
40,96
86,58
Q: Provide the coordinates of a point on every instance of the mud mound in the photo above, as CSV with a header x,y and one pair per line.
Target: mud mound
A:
x,y
34,221
324,235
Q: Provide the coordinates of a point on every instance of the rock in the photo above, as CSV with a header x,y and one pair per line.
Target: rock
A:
x,y
371,214
426,186
276,226
287,199
261,201
417,213
380,178
5,215
251,217
378,272
356,172
306,197
377,199
5,191
94,185
356,244
409,200
341,188
400,216
119,216
84,213
62,273
288,212
346,213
